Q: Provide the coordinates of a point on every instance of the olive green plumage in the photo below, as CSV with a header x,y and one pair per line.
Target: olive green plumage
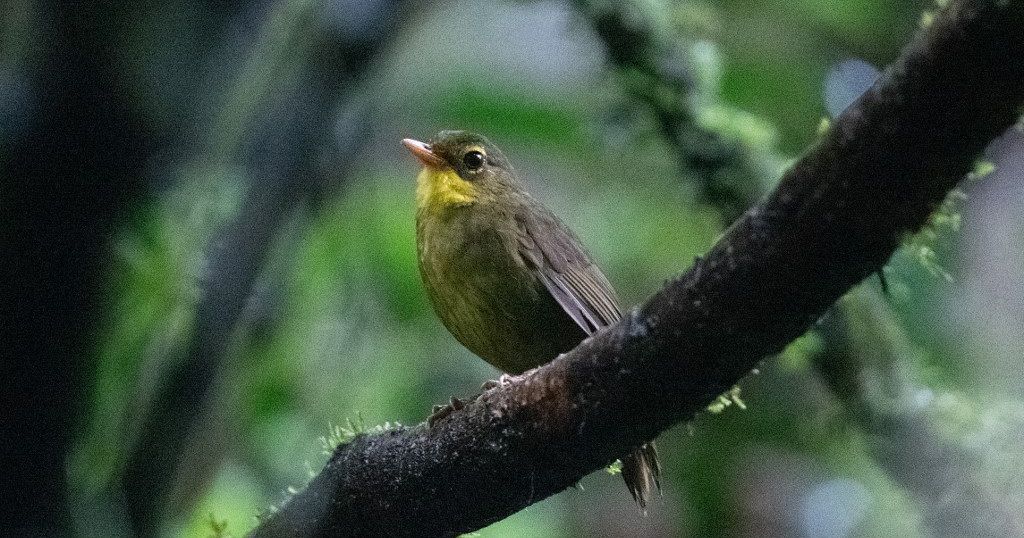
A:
x,y
507,278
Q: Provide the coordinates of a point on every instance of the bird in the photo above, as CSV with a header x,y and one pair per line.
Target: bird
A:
x,y
507,278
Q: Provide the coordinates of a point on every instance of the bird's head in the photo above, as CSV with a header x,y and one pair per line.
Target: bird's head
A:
x,y
460,168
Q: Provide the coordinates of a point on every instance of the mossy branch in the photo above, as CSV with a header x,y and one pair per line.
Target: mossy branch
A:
x,y
655,72
835,218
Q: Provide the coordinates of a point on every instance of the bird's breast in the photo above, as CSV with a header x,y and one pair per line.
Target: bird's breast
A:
x,y
482,291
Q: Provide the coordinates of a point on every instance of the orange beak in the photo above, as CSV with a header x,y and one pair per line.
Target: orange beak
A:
x,y
422,152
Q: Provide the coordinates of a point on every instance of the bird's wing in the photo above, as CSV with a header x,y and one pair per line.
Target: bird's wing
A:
x,y
558,259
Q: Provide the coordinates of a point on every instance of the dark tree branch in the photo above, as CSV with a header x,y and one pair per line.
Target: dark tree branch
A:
x,y
836,217
726,181
902,438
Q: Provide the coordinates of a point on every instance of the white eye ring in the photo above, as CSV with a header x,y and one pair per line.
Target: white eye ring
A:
x,y
473,160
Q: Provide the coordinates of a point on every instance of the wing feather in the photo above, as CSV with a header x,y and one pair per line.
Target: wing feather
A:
x,y
566,270
569,302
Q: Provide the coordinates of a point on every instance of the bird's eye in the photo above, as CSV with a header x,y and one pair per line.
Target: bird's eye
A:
x,y
473,160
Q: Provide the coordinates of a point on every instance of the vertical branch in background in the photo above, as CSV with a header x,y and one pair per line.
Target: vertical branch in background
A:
x,y
174,452
651,64
643,54
69,177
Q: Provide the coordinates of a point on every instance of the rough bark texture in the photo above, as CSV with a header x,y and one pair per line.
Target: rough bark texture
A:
x,y
836,217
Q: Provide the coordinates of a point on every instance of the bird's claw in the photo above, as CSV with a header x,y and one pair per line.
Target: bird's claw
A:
x,y
440,412
505,379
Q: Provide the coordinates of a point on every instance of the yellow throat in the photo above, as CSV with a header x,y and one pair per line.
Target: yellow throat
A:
x,y
437,188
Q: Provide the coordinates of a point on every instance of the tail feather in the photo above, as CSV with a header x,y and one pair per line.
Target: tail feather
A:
x,y
642,472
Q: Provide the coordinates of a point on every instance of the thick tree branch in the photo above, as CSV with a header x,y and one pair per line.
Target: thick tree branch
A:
x,y
836,217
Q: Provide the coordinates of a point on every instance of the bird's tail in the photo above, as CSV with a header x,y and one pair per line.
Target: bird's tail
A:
x,y
642,473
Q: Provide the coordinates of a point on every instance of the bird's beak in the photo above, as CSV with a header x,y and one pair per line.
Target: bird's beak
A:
x,y
422,152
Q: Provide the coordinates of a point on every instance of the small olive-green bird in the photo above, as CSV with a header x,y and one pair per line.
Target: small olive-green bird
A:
x,y
507,278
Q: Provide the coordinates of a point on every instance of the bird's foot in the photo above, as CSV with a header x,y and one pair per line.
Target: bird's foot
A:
x,y
440,412
505,379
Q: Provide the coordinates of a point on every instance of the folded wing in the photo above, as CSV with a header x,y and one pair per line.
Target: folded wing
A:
x,y
556,256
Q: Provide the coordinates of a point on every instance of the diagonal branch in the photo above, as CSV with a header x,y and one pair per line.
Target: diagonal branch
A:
x,y
836,217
